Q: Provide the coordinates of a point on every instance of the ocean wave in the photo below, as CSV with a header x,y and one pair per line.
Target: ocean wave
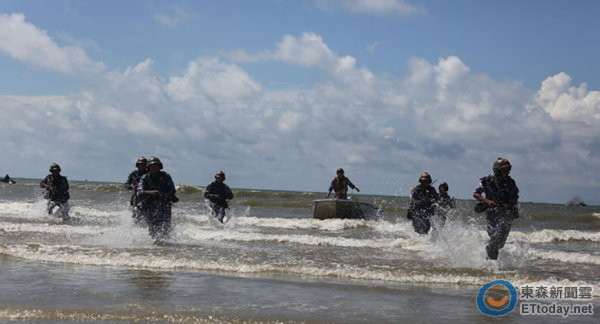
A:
x,y
95,257
243,193
50,229
199,234
274,203
37,210
183,189
329,225
548,236
25,209
593,218
97,186
300,223
562,256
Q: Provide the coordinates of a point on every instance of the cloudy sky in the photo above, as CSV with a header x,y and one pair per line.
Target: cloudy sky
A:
x,y
281,93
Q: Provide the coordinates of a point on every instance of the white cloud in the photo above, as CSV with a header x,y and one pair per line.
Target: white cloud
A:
x,y
288,121
213,79
25,42
566,103
384,131
372,7
310,50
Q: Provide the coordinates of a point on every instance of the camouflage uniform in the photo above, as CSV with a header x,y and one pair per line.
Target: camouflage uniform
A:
x,y
132,182
340,186
57,193
157,211
422,207
504,192
218,194
444,203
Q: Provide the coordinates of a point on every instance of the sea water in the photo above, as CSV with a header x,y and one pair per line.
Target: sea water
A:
x,y
272,262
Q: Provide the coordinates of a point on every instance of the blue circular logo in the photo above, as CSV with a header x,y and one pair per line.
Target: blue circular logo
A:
x,y
500,307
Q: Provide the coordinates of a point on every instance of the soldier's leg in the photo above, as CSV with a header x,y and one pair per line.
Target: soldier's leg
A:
x,y
50,206
137,215
151,217
503,231
421,224
441,219
221,214
498,230
63,210
163,225
215,209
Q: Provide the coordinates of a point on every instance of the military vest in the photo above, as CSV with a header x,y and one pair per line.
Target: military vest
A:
x,y
340,186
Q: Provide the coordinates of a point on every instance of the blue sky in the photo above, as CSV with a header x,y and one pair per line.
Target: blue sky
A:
x,y
281,93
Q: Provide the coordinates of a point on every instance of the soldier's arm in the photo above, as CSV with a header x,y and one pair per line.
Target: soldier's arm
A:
x,y
477,195
129,183
141,191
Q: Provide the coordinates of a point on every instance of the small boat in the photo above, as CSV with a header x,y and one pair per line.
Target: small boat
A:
x,y
576,201
337,208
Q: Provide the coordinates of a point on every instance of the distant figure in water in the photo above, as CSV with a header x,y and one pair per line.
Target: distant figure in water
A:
x,y
156,193
8,179
340,185
444,203
422,199
500,204
219,194
576,201
56,192
132,184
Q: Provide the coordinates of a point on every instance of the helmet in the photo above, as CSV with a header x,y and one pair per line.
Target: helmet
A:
x,y
340,170
54,166
443,185
154,160
141,160
501,164
220,174
425,177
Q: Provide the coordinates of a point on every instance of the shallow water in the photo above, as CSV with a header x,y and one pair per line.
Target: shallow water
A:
x,y
272,261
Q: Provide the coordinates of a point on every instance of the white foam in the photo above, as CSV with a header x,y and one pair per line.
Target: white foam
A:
x,y
547,236
124,234
50,229
328,225
67,254
31,210
300,223
37,210
195,233
562,256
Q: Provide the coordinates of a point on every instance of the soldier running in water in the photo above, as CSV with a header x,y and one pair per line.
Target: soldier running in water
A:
x,y
444,203
56,192
132,184
422,207
219,194
500,204
156,193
